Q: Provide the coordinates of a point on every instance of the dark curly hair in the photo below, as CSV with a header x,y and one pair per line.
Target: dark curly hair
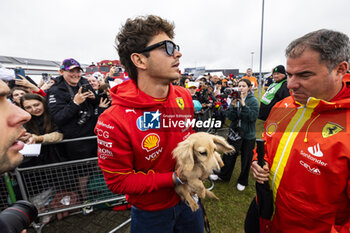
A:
x,y
135,34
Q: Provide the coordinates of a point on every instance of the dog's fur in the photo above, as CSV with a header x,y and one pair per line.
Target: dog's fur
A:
x,y
196,158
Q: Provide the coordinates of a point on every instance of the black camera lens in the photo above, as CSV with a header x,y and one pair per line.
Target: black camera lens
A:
x,y
84,116
17,217
228,91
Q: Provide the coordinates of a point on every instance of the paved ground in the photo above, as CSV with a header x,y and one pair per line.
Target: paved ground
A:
x,y
99,221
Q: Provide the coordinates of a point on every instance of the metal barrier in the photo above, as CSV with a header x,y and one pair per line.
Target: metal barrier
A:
x,y
3,193
61,188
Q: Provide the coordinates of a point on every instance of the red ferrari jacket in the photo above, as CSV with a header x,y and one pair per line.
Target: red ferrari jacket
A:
x,y
136,137
308,150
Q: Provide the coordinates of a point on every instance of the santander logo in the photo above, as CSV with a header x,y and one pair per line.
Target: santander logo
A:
x,y
315,150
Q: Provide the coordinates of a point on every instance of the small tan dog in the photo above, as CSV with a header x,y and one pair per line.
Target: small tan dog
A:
x,y
196,159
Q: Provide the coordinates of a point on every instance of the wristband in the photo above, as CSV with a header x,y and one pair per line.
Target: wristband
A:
x,y
178,181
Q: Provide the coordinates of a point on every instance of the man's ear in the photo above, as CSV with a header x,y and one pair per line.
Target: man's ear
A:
x,y
60,72
139,60
341,68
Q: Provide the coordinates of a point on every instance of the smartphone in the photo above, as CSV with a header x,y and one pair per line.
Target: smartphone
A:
x,y
85,87
46,77
19,71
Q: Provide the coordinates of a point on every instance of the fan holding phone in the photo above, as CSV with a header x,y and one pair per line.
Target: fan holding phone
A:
x,y
73,106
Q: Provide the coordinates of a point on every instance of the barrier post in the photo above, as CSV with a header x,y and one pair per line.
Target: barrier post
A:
x,y
9,188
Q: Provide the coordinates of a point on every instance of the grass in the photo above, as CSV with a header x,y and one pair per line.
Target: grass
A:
x,y
228,214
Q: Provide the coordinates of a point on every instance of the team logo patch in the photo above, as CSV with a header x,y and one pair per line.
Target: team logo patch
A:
x,y
180,102
331,129
315,150
150,142
271,129
149,120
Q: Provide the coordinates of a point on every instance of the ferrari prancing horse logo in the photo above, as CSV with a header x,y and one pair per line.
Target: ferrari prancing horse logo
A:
x,y
331,129
180,102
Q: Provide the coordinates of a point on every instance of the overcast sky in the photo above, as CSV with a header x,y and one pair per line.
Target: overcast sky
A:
x,y
214,34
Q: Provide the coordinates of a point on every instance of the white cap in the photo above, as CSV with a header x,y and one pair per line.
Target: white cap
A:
x,y
97,74
192,84
6,74
200,77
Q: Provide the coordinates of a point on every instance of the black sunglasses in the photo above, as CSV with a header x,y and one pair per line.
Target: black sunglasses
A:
x,y
169,47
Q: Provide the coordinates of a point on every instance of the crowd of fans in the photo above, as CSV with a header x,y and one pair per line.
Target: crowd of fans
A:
x,y
68,106
63,107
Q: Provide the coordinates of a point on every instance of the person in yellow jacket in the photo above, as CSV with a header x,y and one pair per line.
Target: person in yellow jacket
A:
x,y
307,139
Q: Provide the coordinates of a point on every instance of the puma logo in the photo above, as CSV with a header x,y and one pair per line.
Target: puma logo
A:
x,y
130,110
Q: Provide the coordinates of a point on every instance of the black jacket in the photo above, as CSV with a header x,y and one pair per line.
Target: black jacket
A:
x,y
66,114
247,115
70,119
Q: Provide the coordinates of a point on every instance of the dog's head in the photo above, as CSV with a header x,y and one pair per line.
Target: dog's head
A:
x,y
200,148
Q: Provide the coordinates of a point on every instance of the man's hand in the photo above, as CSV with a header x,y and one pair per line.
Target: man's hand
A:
x,y
261,174
91,95
80,98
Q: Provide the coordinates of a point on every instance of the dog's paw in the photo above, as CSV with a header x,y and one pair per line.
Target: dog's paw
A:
x,y
230,153
194,207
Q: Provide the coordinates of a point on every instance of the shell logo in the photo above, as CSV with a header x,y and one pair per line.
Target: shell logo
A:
x,y
150,142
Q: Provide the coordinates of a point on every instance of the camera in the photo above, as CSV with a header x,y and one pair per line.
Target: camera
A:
x,y
232,93
17,217
83,117
85,87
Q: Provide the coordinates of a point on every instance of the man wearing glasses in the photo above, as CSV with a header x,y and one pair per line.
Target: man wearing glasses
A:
x,y
137,134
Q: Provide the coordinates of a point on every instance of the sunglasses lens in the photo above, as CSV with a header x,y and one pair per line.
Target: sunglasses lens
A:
x,y
169,47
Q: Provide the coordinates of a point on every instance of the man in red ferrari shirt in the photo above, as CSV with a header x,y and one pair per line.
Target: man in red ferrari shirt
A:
x,y
147,119
307,139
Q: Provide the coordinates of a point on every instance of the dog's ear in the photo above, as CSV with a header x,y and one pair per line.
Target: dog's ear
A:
x,y
221,144
183,154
